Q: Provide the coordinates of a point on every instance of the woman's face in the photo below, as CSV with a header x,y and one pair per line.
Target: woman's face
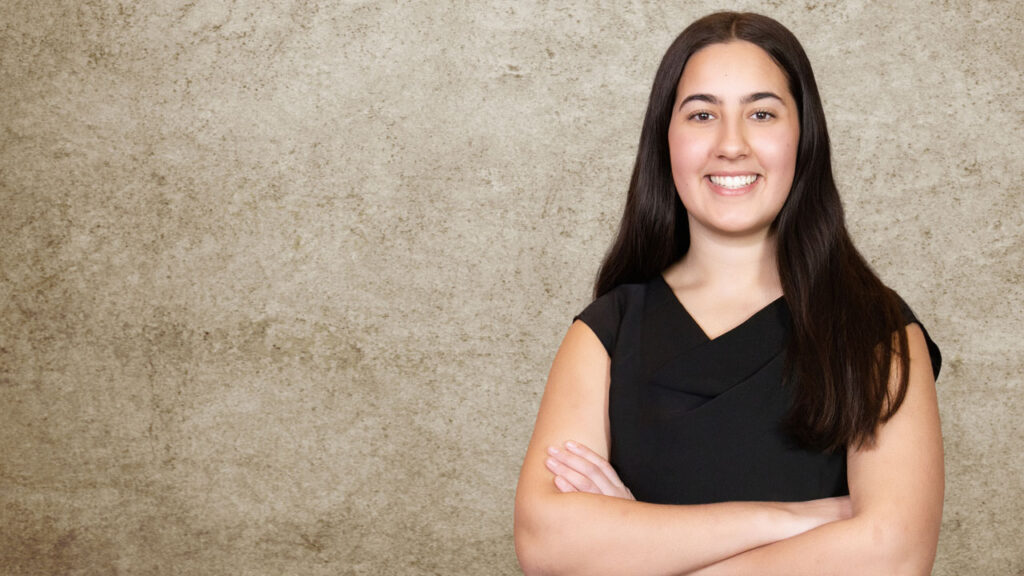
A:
x,y
733,140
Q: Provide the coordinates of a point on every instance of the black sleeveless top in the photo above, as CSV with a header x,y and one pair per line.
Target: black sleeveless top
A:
x,y
695,420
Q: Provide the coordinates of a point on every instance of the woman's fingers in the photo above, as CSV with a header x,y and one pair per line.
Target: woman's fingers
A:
x,y
564,485
579,472
619,489
596,460
814,513
585,471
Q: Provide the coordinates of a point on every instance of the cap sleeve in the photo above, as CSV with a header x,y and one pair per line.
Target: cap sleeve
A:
x,y
604,316
933,349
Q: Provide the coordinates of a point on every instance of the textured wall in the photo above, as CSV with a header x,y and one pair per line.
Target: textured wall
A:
x,y
281,281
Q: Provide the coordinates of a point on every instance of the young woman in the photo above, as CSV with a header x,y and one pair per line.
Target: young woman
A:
x,y
744,396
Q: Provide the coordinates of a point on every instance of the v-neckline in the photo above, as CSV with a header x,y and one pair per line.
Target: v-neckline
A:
x,y
700,329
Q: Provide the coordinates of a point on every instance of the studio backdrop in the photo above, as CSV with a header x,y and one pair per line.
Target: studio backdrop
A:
x,y
281,281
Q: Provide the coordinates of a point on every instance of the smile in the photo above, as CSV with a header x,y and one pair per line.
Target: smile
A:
x,y
733,182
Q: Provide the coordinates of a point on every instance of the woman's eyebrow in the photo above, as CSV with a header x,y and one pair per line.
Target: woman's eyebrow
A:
x,y
710,99
699,97
760,96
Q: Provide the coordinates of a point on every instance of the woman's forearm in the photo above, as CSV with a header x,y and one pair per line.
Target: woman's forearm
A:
x,y
853,547
595,535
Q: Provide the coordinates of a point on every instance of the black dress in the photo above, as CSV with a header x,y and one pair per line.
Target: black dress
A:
x,y
695,420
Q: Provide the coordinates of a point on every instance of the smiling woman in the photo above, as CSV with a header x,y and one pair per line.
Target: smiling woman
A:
x,y
744,396
733,139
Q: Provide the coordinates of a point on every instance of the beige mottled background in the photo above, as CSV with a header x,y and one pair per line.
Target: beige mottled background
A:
x,y
281,281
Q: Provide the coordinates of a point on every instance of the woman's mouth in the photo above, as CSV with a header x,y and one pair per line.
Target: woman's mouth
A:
x,y
733,182
731,185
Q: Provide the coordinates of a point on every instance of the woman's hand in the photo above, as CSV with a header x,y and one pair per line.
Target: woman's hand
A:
x,y
813,513
579,469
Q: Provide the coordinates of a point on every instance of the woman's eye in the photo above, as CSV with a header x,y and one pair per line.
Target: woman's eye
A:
x,y
763,115
701,116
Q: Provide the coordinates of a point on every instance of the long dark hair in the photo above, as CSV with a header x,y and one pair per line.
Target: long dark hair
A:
x,y
847,325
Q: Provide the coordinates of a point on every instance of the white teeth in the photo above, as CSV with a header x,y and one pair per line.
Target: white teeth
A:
x,y
733,181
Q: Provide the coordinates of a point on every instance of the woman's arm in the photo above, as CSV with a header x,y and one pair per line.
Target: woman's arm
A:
x,y
577,533
896,487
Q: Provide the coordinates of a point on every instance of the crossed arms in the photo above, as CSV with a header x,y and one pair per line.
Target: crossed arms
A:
x,y
574,516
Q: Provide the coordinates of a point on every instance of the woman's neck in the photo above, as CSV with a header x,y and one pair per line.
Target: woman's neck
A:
x,y
729,267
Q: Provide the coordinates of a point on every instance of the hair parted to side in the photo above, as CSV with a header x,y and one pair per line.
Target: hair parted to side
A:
x,y
847,325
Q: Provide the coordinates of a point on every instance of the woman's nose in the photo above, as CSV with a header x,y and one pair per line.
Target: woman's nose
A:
x,y
732,141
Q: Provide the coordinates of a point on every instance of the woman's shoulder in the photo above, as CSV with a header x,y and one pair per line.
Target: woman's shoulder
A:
x,y
605,314
909,317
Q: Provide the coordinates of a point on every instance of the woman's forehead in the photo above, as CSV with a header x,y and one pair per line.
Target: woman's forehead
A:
x,y
733,68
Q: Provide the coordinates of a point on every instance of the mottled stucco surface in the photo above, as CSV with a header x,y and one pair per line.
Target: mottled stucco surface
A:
x,y
281,281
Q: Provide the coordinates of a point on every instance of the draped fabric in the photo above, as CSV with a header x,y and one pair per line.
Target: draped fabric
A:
x,y
697,420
